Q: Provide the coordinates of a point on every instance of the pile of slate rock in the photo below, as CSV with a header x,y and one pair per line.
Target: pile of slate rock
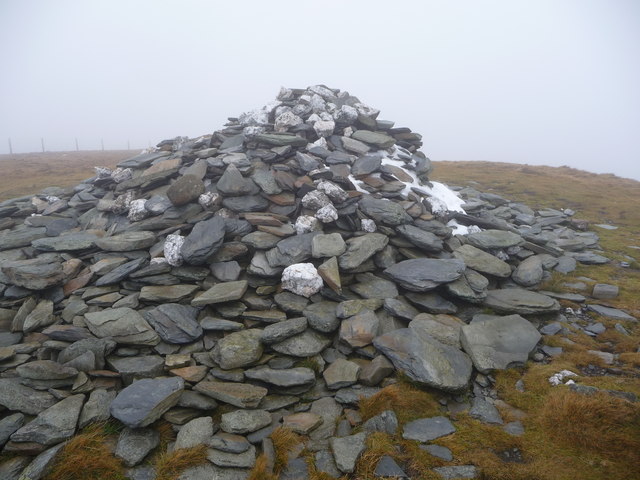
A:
x,y
278,269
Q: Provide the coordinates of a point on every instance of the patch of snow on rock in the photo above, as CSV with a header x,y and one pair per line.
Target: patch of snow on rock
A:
x,y
558,378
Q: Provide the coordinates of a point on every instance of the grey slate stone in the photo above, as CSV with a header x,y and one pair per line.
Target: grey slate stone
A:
x,y
16,397
485,412
387,467
427,429
495,342
175,323
347,450
422,274
53,425
135,444
426,360
517,300
205,239
146,400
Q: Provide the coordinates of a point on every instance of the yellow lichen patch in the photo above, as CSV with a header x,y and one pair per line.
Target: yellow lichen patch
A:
x,y
169,466
409,403
87,456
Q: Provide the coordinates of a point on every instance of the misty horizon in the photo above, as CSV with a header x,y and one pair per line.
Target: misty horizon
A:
x,y
539,83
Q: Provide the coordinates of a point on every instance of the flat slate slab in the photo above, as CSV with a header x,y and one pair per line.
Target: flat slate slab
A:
x,y
144,401
495,342
610,312
523,302
428,429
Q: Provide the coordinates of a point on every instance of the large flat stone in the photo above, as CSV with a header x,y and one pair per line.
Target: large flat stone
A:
x,y
495,342
146,400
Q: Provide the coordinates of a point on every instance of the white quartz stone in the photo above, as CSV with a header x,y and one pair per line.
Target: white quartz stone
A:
x,y
172,246
302,279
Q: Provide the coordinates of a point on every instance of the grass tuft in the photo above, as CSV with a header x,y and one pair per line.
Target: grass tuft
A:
x,y
260,470
597,423
409,403
87,456
169,466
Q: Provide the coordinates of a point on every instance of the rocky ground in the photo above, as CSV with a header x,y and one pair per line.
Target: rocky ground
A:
x,y
292,297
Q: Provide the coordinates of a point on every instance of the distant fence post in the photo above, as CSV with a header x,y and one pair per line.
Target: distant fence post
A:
x,y
42,143
77,144
10,147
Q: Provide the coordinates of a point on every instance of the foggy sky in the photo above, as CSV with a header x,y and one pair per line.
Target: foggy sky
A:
x,y
551,82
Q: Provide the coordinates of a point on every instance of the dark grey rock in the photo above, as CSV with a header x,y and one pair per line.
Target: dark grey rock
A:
x,y
495,342
53,425
133,368
609,312
16,397
220,293
494,239
185,189
291,250
482,261
457,472
360,249
370,287
9,425
135,444
175,323
36,273
422,274
195,432
40,465
321,316
238,349
244,421
120,273
205,239
428,429
97,407
422,239
284,378
485,412
242,395
385,422
426,360
65,243
516,300
438,451
280,331
347,450
387,467
305,344
146,400
126,242
431,302
124,325
383,211
529,272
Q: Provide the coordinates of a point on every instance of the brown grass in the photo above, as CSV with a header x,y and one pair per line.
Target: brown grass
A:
x,y
260,470
169,466
87,457
409,403
28,173
284,441
601,424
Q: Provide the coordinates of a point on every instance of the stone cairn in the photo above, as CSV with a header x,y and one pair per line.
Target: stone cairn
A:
x,y
281,269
